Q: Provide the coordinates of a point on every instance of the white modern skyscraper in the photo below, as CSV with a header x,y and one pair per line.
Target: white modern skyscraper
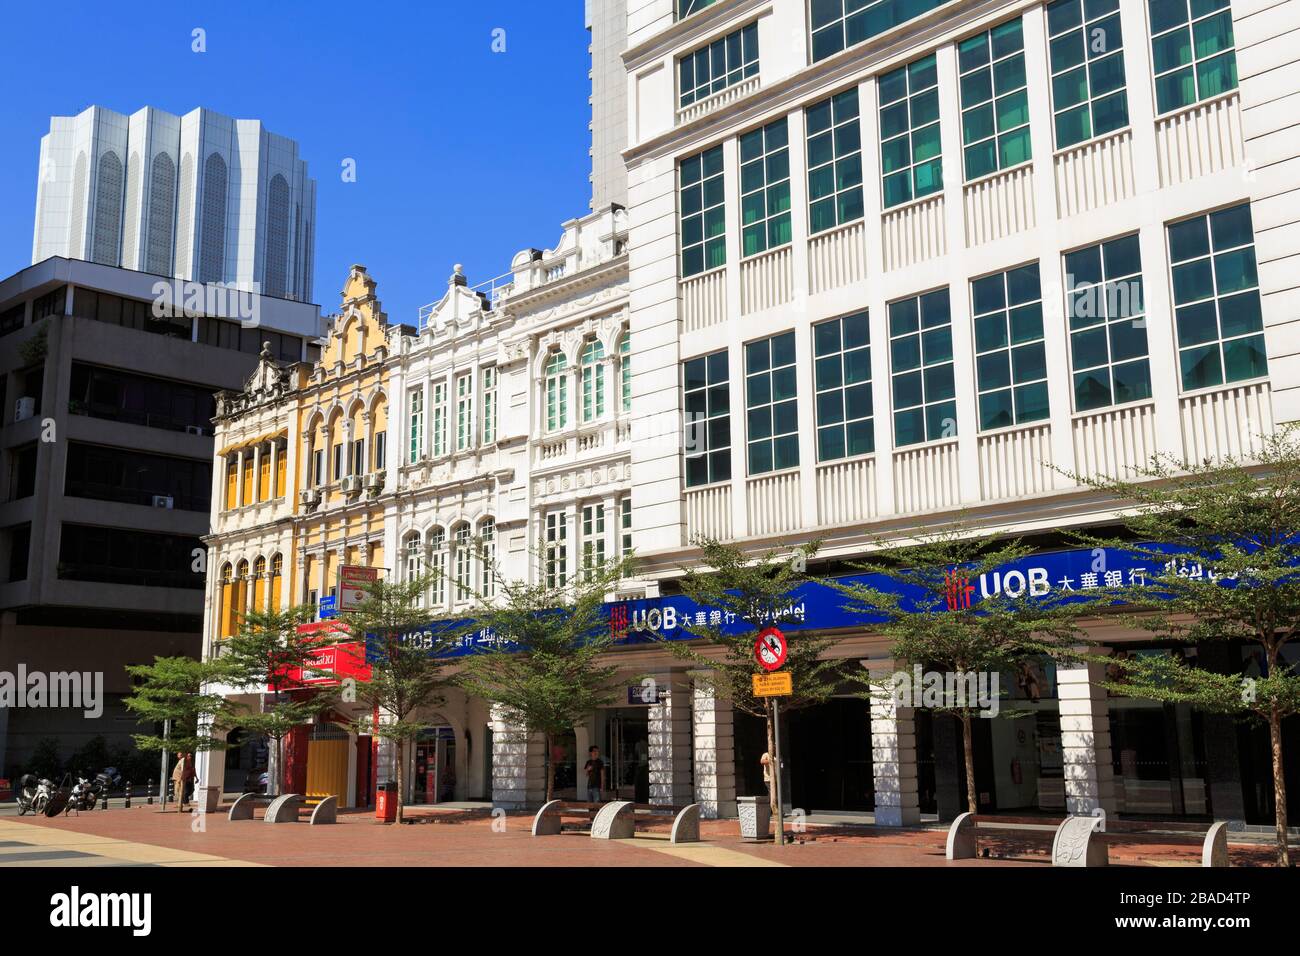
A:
x,y
199,197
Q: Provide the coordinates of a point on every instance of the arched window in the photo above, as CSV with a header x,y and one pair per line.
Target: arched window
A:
x,y
593,381
227,627
212,242
625,370
412,554
463,556
259,584
277,236
557,392
162,215
438,567
277,574
487,540
108,211
241,589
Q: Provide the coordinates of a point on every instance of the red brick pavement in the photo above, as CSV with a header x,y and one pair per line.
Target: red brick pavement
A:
x,y
452,838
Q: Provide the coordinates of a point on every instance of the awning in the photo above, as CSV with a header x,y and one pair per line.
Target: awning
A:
x,y
248,442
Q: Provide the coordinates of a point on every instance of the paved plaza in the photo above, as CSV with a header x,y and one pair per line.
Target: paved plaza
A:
x,y
144,836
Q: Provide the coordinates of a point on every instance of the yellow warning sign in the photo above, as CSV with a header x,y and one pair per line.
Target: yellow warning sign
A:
x,y
779,684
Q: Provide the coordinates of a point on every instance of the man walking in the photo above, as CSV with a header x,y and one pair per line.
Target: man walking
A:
x,y
595,768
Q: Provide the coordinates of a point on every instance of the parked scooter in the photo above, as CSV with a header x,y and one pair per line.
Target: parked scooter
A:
x,y
87,793
38,795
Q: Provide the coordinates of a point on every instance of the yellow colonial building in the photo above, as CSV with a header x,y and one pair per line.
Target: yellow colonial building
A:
x,y
302,480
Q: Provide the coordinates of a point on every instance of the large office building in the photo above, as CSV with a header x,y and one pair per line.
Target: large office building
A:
x,y
882,263
106,446
201,197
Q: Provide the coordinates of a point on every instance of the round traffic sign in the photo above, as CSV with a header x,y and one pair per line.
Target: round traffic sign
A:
x,y
770,648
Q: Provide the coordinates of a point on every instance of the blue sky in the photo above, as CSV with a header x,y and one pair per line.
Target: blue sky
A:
x,y
462,154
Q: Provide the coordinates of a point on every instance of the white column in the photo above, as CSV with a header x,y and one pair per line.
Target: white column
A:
x,y
893,758
518,776
1085,738
670,742
715,754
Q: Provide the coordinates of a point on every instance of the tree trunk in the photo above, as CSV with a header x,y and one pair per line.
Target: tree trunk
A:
x,y
771,757
550,770
401,764
1279,785
968,752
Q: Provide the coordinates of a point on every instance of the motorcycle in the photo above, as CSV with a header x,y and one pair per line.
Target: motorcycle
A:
x,y
87,793
38,795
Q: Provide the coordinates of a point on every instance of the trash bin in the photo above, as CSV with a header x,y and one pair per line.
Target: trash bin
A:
x,y
755,817
386,802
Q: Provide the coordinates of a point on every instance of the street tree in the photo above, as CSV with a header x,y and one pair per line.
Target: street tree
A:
x,y
750,593
1220,545
270,656
405,675
921,594
539,649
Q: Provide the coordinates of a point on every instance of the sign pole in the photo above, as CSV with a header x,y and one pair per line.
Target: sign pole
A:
x,y
776,773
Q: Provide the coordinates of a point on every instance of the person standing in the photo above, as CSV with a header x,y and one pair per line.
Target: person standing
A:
x,y
595,768
178,780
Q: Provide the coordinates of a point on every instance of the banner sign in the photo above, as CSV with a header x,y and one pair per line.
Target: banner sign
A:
x,y
814,605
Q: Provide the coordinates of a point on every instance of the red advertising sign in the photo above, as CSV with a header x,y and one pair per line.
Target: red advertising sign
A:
x,y
333,662
770,648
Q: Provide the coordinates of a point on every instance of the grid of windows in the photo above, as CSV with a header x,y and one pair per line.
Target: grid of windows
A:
x,y
910,158
703,212
842,369
840,24
994,100
1216,298
765,188
557,392
1108,336
593,538
723,63
557,550
834,161
489,423
1010,361
593,381
1192,51
464,411
772,415
707,396
920,364
1086,48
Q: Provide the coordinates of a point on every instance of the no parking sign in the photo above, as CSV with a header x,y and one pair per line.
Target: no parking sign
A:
x,y
770,648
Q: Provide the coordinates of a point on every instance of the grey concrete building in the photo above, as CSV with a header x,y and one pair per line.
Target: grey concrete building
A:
x,y
106,448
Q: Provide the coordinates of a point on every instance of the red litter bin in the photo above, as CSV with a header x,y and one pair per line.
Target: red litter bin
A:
x,y
386,802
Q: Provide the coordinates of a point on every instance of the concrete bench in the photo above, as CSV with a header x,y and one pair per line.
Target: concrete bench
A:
x,y
1084,841
617,820
242,808
284,809
327,811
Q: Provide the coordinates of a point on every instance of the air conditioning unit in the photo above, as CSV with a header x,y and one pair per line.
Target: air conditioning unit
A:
x,y
375,479
351,485
24,408
309,498
164,501
193,430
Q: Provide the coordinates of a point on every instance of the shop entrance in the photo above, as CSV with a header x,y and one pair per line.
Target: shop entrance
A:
x,y
626,752
829,756
435,765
